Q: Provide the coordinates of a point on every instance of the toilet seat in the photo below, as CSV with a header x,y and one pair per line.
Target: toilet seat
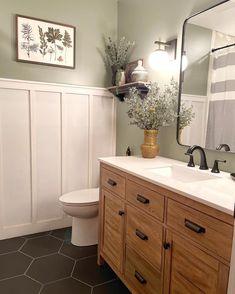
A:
x,y
83,197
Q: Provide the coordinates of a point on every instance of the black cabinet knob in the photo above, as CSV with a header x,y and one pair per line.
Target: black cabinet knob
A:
x,y
121,212
166,245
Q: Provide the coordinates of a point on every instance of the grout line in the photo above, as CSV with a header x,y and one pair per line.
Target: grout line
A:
x,y
41,284
73,259
25,241
86,257
54,281
32,238
82,282
61,246
26,255
40,291
73,269
5,279
15,251
57,238
28,266
107,282
47,255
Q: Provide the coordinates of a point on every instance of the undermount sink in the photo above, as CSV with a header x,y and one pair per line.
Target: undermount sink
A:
x,y
183,173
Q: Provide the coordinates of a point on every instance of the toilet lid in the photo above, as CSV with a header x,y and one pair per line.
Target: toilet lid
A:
x,y
81,197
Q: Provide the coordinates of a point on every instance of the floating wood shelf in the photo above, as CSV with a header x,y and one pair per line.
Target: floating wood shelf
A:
x,y
121,91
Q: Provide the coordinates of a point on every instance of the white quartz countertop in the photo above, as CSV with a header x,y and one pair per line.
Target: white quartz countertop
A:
x,y
218,192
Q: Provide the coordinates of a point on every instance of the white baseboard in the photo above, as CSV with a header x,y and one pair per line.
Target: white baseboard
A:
x,y
26,229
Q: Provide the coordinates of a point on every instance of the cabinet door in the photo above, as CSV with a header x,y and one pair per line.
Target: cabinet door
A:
x,y
189,270
113,226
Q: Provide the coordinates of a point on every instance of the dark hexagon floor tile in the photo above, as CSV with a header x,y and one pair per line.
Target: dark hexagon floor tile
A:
x,y
12,244
67,286
37,235
19,285
114,287
63,234
13,264
87,270
50,268
41,246
77,252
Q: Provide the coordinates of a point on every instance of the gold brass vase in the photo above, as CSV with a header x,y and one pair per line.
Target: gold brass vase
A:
x,y
150,148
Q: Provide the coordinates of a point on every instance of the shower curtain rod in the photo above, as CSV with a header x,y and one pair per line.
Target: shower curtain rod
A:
x,y
219,48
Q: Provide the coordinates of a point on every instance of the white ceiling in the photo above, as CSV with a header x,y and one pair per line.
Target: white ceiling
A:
x,y
220,18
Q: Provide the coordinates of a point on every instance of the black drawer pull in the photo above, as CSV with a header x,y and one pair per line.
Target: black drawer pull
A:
x,y
140,278
142,199
112,182
194,227
121,212
141,235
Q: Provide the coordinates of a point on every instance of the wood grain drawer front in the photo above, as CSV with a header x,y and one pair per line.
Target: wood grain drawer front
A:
x,y
144,235
146,199
113,226
215,235
113,182
141,276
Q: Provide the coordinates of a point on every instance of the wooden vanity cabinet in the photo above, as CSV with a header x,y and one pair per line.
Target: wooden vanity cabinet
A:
x,y
158,242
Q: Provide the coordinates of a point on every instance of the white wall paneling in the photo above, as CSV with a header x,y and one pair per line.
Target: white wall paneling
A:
x,y
51,136
196,132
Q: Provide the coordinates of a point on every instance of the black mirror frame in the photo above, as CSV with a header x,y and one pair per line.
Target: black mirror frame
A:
x,y
181,76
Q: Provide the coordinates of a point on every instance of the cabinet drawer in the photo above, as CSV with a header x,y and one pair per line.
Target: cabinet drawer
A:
x,y
113,182
141,276
147,200
215,235
144,235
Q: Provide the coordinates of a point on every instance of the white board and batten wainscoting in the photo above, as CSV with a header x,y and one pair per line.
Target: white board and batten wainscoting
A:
x,y
50,138
196,132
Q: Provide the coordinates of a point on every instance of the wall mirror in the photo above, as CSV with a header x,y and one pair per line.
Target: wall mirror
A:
x,y
207,85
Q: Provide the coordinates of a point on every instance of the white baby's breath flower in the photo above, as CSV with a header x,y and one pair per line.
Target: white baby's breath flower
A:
x,y
158,108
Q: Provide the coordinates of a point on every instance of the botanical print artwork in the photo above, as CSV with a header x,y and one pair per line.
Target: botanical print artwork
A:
x,y
45,42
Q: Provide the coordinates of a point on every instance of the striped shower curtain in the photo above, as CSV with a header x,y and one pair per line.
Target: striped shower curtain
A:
x,y
221,113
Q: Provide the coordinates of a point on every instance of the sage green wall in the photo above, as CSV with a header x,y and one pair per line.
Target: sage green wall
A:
x,y
197,47
91,18
145,22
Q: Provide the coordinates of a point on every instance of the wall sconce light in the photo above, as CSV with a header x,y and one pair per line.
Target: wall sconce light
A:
x,y
165,52
184,61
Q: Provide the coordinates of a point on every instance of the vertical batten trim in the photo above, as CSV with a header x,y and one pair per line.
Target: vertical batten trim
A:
x,y
90,139
114,129
63,144
33,158
1,178
62,148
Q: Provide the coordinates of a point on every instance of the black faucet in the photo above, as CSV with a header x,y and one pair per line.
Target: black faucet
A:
x,y
225,146
203,162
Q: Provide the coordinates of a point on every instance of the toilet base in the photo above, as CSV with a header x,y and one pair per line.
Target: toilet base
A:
x,y
84,231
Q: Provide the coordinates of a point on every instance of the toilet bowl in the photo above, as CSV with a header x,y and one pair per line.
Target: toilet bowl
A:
x,y
82,205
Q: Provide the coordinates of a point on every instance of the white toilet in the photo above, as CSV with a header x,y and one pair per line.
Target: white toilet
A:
x,y
82,205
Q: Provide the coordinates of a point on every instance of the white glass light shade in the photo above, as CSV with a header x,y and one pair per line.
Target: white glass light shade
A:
x,y
184,62
158,59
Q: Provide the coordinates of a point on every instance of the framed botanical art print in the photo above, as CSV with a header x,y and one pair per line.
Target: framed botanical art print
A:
x,y
45,42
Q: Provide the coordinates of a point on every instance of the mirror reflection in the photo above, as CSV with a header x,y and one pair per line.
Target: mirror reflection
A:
x,y
208,82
